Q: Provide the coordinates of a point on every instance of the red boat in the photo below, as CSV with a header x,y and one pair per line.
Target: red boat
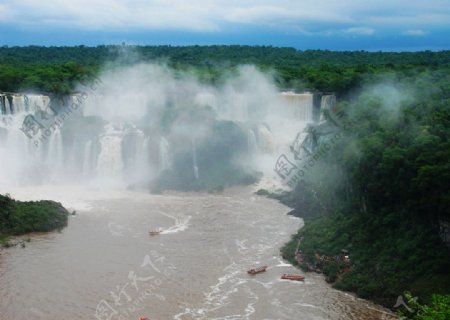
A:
x,y
294,277
257,270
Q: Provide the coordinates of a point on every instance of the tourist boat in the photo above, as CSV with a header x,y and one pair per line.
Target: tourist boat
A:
x,y
155,232
257,270
294,277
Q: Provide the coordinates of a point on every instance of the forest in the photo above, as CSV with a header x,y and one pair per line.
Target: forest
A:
x,y
18,217
381,192
59,69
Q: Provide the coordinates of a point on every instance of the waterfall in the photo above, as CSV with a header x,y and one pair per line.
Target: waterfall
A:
x,y
55,150
327,104
110,162
90,144
5,104
164,155
194,159
2,104
16,151
18,104
37,103
306,107
136,154
265,139
9,109
299,106
140,156
87,157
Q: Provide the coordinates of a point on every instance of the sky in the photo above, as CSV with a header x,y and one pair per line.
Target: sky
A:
x,y
388,25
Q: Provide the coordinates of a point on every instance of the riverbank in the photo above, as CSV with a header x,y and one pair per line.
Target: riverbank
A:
x,y
383,264
375,259
17,217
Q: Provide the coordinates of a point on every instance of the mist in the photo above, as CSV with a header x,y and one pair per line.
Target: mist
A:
x,y
146,125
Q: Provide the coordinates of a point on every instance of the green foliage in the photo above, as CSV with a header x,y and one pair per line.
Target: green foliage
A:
x,y
18,217
386,206
437,309
58,69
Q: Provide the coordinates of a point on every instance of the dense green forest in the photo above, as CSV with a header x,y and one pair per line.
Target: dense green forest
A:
x,y
381,192
17,217
59,69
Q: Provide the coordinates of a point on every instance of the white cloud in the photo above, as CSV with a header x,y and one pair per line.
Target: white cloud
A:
x,y
363,31
414,32
314,16
5,12
417,19
282,14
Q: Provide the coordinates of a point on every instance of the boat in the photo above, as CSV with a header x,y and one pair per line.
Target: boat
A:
x,y
257,270
294,277
155,232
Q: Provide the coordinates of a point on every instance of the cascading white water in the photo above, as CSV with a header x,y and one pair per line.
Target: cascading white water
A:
x,y
15,146
110,163
21,103
18,104
55,149
5,104
300,105
2,104
37,102
265,139
194,159
87,159
123,152
139,156
136,155
164,154
8,106
327,102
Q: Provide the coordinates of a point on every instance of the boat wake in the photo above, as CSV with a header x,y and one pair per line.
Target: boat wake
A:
x,y
222,294
181,224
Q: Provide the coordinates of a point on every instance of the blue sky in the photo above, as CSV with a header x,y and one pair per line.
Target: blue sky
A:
x,y
396,25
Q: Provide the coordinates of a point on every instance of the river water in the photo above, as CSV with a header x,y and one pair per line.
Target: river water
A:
x,y
105,265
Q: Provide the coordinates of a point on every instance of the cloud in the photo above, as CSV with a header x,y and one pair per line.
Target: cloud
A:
x,y
310,16
5,12
414,32
364,31
283,14
417,19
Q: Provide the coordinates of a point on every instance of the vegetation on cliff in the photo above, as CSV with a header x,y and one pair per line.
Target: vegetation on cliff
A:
x,y
381,193
17,217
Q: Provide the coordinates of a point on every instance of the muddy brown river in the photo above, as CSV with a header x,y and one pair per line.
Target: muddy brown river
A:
x,y
105,265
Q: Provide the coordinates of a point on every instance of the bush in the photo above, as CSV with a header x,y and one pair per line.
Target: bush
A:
x,y
438,309
18,217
